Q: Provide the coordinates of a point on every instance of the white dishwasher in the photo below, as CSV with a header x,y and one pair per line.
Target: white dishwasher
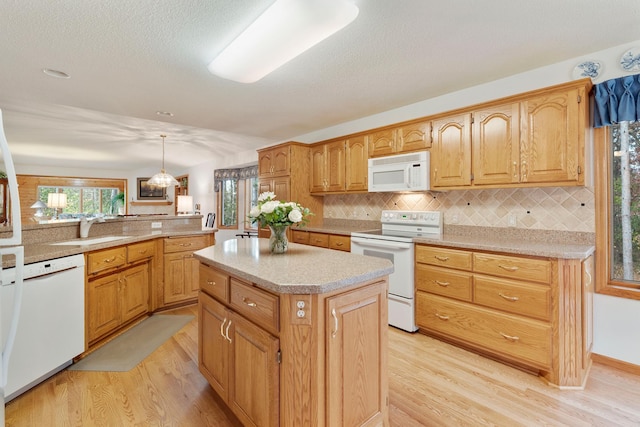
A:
x,y
51,324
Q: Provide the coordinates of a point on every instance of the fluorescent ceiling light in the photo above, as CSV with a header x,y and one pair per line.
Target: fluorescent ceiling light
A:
x,y
282,32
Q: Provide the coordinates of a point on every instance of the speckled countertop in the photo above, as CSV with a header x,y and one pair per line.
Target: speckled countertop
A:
x,y
544,243
301,270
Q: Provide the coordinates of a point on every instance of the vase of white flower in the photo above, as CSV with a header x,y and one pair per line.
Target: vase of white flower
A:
x,y
278,216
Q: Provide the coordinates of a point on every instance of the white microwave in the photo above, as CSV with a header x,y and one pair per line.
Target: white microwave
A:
x,y
403,172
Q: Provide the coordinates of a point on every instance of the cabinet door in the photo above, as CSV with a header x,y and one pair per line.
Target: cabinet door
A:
x,y
382,143
335,166
274,162
177,274
213,347
451,151
192,273
413,137
255,373
318,179
356,159
356,357
135,292
104,305
496,145
552,148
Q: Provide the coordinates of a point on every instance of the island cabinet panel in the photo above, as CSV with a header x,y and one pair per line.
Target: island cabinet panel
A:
x,y
287,359
529,311
356,393
240,361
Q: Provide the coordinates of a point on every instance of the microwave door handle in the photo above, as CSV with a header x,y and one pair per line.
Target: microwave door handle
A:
x,y
407,176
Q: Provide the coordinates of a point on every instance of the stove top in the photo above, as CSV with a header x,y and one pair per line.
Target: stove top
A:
x,y
405,225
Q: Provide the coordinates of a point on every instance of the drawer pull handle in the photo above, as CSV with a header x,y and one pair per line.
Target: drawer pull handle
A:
x,y
185,244
249,302
211,283
226,331
109,260
508,268
339,244
444,284
335,323
143,251
511,338
508,298
442,316
442,258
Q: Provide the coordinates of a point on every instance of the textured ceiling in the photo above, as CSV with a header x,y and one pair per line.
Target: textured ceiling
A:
x,y
129,59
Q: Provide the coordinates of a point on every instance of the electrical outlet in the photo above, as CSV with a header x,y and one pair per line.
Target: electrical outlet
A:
x,y
513,220
300,313
300,304
156,225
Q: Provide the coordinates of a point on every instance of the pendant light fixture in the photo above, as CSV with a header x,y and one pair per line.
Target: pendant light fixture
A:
x,y
162,179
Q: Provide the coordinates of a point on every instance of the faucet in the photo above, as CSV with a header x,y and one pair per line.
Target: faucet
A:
x,y
85,225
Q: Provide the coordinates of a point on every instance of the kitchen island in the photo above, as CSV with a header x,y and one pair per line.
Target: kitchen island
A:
x,y
296,339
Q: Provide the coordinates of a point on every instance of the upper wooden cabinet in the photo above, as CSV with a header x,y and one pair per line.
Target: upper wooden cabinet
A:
x,y
553,129
274,161
534,139
407,137
339,166
328,167
451,151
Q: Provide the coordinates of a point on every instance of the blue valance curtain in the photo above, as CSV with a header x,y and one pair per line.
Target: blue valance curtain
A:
x,y
617,100
220,175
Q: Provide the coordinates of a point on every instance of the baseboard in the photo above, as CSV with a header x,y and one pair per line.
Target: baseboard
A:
x,y
615,363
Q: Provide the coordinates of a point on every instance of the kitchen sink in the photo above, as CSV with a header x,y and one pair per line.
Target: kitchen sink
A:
x,y
92,241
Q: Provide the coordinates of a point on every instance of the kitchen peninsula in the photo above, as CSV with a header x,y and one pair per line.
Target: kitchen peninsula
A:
x,y
294,339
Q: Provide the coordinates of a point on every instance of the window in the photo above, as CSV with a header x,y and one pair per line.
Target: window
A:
x,y
82,200
252,188
618,210
228,204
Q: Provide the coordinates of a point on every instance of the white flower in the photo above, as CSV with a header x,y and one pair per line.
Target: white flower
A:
x,y
255,211
295,215
267,195
269,206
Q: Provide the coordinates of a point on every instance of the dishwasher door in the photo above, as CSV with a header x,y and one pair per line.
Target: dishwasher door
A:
x,y
51,324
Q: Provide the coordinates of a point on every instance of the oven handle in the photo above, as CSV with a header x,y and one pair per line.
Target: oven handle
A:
x,y
374,243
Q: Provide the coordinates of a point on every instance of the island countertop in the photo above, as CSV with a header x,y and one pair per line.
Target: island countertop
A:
x,y
302,269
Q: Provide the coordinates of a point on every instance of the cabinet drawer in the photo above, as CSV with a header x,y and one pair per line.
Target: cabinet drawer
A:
x,y
319,239
106,259
531,300
442,281
186,243
339,242
300,237
451,258
524,340
255,304
214,282
532,269
138,251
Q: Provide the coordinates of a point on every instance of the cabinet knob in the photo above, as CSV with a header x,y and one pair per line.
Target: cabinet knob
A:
x,y
211,283
249,302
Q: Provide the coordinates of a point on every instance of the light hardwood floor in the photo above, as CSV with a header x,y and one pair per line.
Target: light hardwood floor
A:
x,y
431,384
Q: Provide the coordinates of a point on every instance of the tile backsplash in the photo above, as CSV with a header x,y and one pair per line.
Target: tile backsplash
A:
x,y
548,208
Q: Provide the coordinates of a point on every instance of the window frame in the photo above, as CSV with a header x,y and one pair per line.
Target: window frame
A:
x,y
219,215
602,175
248,202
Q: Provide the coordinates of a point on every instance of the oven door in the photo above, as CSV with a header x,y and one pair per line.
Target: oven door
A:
x,y
399,253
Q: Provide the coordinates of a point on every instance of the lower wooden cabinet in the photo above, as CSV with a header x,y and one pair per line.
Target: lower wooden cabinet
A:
x,y
180,269
115,299
324,240
533,312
